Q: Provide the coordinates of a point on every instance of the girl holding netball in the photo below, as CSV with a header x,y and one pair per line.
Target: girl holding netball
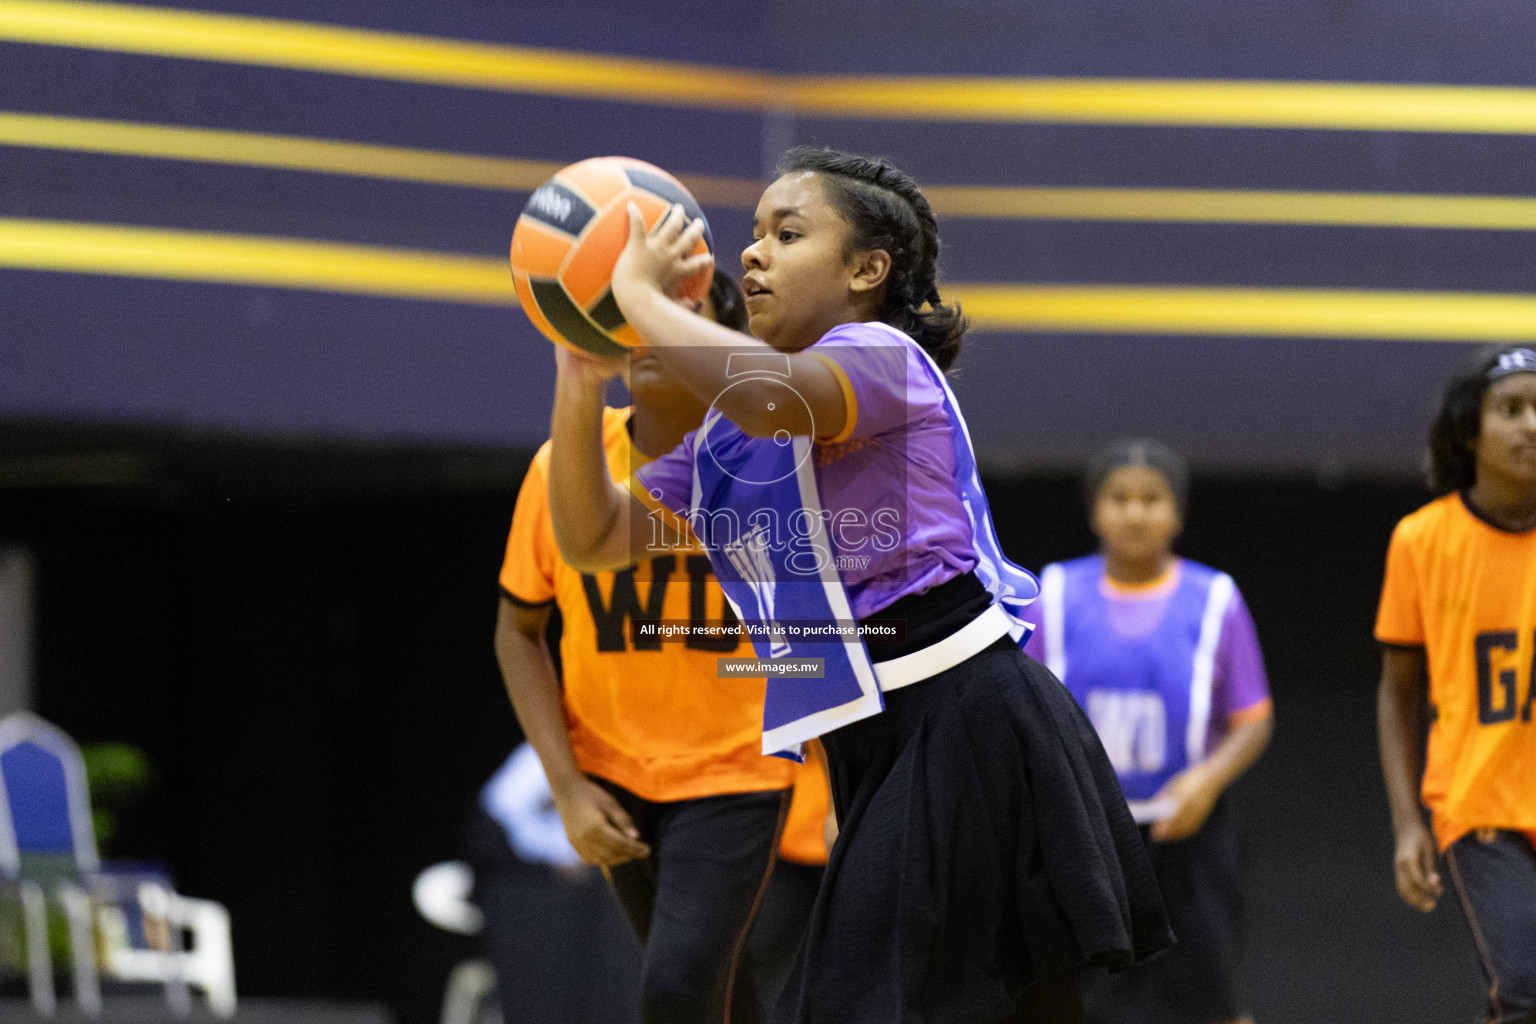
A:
x,y
986,855
1458,611
1161,653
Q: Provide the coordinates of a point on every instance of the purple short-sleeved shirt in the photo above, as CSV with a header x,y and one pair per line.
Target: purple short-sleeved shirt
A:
x,y
887,482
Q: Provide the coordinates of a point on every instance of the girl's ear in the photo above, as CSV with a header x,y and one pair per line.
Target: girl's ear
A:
x,y
870,269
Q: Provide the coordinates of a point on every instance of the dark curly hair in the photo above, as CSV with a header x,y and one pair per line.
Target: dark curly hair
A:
x,y
1459,422
885,209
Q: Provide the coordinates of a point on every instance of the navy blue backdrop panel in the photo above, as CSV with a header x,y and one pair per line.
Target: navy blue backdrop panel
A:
x,y
288,363
697,31
1466,41
268,361
271,361
1223,255
1283,404
1151,156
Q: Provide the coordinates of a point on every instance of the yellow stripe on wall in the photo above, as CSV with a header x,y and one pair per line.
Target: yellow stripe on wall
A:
x,y
1150,101
327,156
1072,309
254,260
1250,312
306,46
1228,206
270,42
399,163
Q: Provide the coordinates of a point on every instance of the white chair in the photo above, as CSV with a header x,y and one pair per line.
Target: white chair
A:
x,y
48,852
441,894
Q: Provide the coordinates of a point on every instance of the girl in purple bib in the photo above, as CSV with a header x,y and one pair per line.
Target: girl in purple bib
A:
x,y
1161,653
985,855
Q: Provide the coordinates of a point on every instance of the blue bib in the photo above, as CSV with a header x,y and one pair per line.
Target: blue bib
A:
x,y
757,510
1148,696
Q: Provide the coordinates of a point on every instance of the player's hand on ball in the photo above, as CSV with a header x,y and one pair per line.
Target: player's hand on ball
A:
x,y
1418,882
1193,800
660,258
597,825
584,368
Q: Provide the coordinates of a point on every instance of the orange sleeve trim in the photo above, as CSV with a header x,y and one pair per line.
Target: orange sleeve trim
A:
x,y
1253,713
669,518
850,403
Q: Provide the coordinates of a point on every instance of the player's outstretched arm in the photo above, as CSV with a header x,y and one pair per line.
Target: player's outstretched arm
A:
x,y
1196,790
598,828
698,350
599,526
1397,720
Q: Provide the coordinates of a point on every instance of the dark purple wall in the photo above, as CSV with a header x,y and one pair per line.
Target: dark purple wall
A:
x,y
99,350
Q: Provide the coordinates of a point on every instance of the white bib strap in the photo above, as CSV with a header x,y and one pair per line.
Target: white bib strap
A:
x,y
1053,605
1146,812
1204,670
972,638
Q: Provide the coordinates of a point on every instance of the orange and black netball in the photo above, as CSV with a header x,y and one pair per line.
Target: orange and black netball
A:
x,y
569,238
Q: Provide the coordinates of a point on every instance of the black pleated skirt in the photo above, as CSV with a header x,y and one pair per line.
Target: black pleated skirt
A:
x,y
1200,978
984,846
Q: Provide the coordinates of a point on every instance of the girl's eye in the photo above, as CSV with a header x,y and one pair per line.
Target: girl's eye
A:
x,y
786,235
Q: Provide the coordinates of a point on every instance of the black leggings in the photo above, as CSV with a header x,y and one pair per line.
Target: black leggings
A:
x,y
775,938
692,901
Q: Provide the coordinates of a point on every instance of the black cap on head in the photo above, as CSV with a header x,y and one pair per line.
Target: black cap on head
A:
x,y
1459,421
1139,451
1514,360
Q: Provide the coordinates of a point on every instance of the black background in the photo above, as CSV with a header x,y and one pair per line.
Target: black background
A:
x,y
302,643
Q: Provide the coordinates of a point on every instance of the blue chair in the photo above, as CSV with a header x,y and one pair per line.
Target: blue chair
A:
x,y
47,846
48,852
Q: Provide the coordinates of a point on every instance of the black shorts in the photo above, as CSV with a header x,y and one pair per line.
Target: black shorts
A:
x,y
1199,980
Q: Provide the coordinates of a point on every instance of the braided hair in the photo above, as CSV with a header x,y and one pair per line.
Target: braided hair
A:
x,y
730,307
884,209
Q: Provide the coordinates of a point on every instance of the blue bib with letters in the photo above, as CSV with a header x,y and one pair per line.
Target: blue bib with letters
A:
x,y
757,509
